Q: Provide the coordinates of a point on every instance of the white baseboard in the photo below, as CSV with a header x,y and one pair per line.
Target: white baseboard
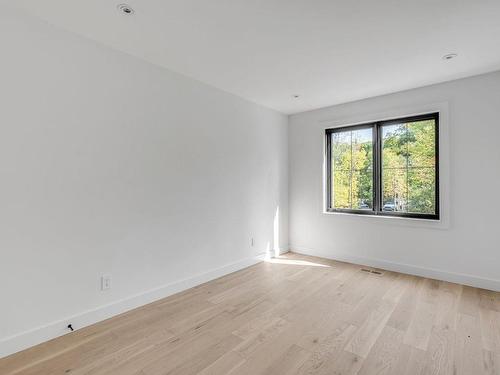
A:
x,y
24,340
459,278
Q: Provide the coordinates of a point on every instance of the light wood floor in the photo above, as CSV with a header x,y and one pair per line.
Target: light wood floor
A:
x,y
295,315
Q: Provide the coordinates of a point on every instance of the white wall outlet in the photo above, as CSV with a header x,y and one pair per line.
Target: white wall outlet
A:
x,y
105,282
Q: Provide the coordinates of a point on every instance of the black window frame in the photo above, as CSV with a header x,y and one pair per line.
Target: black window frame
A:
x,y
376,127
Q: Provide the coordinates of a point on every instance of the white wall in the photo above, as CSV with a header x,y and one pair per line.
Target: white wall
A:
x,y
111,165
465,248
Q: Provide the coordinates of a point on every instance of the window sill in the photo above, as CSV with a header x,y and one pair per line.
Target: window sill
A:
x,y
397,220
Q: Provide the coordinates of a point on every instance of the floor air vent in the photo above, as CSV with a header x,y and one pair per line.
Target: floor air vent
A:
x,y
371,271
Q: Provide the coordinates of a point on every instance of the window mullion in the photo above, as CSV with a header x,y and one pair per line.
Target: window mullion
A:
x,y
377,168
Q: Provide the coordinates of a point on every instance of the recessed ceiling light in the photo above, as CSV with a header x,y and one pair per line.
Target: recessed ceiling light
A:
x,y
449,56
125,9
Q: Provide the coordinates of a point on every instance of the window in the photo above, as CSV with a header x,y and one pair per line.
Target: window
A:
x,y
388,168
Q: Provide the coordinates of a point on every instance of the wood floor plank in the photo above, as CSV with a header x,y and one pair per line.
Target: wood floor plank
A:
x,y
491,363
440,355
293,315
363,340
490,329
322,350
224,365
425,315
416,362
343,362
447,305
289,362
469,301
419,332
204,359
402,315
383,357
468,346
266,334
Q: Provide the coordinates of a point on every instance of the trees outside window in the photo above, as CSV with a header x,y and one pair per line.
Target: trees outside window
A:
x,y
385,168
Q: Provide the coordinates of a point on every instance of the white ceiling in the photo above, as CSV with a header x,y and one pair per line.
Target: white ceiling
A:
x,y
327,51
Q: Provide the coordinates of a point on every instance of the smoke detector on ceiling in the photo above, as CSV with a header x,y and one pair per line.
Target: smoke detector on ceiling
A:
x,y
125,9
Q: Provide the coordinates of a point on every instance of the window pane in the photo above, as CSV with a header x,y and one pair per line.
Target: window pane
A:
x,y
341,151
422,144
422,193
394,146
362,187
395,193
341,189
409,167
352,169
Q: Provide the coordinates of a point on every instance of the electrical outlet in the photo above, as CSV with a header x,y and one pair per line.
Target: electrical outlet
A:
x,y
105,282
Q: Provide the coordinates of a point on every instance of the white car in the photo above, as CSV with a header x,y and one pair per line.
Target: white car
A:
x,y
389,207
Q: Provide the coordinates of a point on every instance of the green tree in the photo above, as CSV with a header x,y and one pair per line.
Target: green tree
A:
x,y
352,169
408,167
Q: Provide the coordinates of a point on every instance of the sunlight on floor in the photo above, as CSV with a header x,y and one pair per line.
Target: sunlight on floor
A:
x,y
295,262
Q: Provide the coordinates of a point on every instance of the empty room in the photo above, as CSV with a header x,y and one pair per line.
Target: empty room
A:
x,y
249,187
